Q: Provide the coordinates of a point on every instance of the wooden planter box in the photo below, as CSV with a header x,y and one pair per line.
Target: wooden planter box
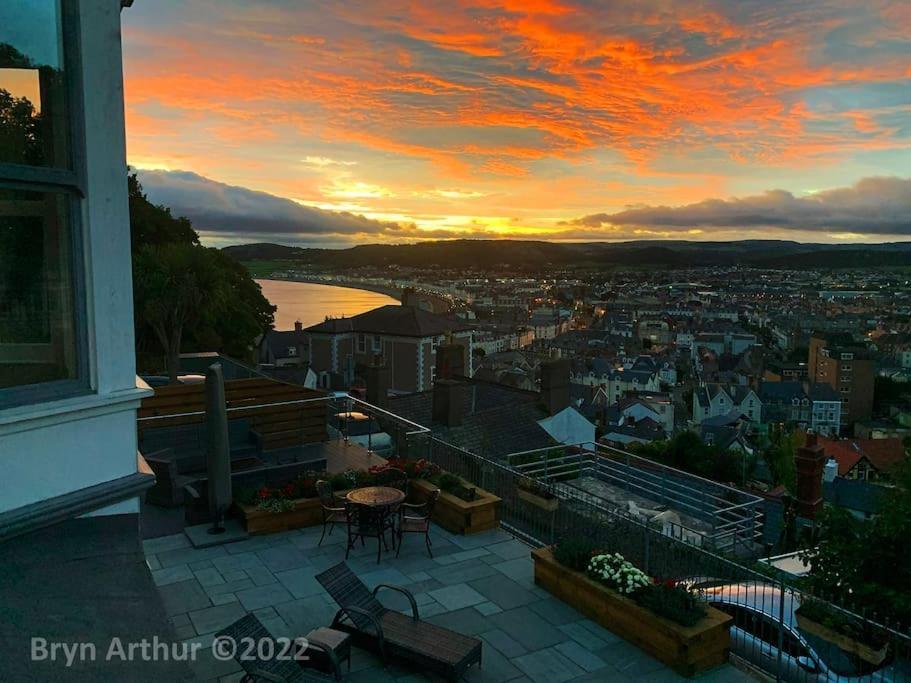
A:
x,y
688,650
306,512
866,652
546,504
456,515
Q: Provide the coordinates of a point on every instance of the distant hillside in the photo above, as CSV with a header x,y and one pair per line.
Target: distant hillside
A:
x,y
668,253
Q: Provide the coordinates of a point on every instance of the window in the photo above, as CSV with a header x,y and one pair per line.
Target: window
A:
x,y
377,343
362,343
42,314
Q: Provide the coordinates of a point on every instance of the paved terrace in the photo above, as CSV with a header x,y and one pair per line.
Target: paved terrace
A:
x,y
479,585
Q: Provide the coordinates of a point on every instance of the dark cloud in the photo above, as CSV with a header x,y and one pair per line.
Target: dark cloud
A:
x,y
877,205
215,207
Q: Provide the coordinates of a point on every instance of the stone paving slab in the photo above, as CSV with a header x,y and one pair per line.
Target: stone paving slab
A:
x,y
479,585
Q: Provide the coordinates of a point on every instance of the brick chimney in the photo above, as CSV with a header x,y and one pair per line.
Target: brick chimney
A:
x,y
555,385
810,461
448,402
377,377
450,361
298,326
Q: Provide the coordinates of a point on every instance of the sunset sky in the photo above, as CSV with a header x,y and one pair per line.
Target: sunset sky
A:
x,y
333,123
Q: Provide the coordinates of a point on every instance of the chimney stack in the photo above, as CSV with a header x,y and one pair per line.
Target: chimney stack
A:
x,y
448,402
555,385
298,326
810,461
450,361
377,378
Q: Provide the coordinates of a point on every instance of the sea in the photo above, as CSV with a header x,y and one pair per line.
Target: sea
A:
x,y
311,303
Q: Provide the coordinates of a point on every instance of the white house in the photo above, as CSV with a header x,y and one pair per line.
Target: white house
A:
x,y
712,400
70,474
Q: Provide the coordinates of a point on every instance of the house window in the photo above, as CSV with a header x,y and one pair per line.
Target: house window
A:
x,y
377,343
362,343
42,304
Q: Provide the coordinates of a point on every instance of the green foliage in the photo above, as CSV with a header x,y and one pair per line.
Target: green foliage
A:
x,y
887,392
153,225
865,562
671,602
339,482
575,553
189,297
687,452
779,456
832,618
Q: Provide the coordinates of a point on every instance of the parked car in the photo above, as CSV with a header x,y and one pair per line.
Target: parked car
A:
x,y
765,633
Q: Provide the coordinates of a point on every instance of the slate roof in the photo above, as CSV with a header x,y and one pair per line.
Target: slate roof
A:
x,y
497,420
403,321
781,391
281,343
736,392
785,392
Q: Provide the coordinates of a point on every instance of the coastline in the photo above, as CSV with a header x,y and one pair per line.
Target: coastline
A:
x,y
394,292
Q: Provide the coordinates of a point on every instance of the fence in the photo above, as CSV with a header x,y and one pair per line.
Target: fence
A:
x,y
763,604
688,507
276,426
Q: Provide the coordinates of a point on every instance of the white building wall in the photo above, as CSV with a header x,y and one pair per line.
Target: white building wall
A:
x,y
53,448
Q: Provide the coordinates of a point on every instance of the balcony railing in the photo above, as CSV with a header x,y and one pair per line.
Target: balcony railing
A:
x,y
689,507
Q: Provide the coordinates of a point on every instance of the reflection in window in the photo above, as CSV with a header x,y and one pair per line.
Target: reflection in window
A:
x,y
37,322
33,107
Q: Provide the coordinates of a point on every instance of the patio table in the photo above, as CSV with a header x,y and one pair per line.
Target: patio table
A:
x,y
376,496
385,501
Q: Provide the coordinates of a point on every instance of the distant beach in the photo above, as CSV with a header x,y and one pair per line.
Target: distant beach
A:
x,y
311,303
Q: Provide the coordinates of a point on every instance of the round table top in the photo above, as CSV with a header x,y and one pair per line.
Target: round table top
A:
x,y
376,496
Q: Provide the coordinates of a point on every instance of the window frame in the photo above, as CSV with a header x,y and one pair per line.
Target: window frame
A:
x,y
71,184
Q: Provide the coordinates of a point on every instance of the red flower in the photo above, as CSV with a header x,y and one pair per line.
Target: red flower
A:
x,y
288,491
263,493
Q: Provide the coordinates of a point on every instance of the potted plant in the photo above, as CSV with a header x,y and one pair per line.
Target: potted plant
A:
x,y
660,617
537,494
825,621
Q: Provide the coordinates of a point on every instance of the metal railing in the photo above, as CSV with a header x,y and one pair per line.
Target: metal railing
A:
x,y
689,507
763,603
541,502
345,418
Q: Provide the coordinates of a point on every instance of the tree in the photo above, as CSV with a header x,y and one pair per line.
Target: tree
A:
x,y
151,224
186,296
865,562
687,452
176,288
779,456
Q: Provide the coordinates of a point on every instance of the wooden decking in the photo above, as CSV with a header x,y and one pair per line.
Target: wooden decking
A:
x,y
341,456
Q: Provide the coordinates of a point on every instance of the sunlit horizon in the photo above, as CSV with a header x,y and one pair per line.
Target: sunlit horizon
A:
x,y
329,125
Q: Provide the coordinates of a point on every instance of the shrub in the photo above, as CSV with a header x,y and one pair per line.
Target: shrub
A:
x,y
413,469
339,482
673,602
575,553
830,617
617,573
536,487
